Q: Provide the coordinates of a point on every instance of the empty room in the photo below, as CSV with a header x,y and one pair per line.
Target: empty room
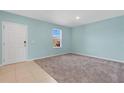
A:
x,y
61,46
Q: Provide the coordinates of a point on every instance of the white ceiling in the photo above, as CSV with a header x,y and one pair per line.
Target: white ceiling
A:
x,y
67,17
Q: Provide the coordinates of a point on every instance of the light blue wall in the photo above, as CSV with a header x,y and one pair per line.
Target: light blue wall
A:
x,y
39,36
103,39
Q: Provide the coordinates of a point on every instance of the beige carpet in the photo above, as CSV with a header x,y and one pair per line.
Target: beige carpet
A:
x,y
72,68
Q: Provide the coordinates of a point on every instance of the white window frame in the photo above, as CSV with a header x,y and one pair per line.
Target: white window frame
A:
x,y
60,37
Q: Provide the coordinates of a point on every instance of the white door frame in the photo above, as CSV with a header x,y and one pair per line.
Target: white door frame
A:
x,y
3,42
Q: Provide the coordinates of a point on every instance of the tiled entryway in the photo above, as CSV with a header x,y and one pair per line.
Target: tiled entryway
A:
x,y
24,72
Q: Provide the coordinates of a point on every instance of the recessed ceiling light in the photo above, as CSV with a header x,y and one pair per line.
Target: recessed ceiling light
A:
x,y
77,17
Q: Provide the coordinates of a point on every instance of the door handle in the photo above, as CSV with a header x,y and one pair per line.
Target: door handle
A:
x,y
24,43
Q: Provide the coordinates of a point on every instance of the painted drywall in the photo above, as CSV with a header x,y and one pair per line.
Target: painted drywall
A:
x,y
39,36
104,39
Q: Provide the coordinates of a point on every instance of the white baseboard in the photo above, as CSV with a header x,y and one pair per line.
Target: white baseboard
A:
x,y
46,56
29,60
13,63
120,61
1,65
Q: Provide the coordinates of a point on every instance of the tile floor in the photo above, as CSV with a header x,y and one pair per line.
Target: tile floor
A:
x,y
24,72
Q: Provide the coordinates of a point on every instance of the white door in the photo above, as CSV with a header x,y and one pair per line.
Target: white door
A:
x,y
14,42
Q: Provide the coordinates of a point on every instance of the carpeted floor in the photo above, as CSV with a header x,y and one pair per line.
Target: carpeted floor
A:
x,y
72,68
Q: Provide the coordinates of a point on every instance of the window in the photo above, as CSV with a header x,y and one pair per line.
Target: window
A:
x,y
57,38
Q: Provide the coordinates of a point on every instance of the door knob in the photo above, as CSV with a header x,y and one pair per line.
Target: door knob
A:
x,y
24,43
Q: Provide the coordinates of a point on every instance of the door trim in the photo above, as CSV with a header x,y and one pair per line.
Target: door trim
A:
x,y
3,42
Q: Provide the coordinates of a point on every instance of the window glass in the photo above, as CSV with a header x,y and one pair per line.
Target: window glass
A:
x,y
57,38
